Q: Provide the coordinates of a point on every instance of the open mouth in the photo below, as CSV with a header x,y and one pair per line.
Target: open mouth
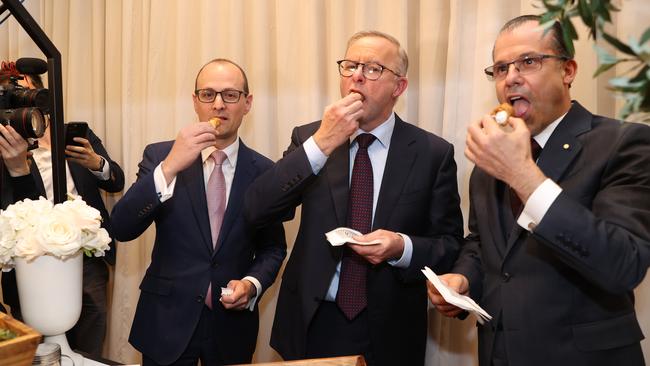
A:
x,y
520,104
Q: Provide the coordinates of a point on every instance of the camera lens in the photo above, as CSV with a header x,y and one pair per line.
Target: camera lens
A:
x,y
28,122
39,98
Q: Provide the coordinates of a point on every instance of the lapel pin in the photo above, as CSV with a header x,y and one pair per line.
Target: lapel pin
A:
x,y
566,146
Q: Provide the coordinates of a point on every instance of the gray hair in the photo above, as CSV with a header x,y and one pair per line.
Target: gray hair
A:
x,y
403,57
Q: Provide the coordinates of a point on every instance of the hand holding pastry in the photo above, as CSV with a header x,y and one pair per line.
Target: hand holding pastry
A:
x,y
501,113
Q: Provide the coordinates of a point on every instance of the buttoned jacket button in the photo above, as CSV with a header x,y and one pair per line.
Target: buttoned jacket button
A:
x,y
505,276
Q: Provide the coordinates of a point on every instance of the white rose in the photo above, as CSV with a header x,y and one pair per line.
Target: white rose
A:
x,y
28,245
59,236
97,243
84,216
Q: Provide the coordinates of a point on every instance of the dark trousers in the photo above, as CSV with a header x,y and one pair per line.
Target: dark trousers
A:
x,y
202,346
89,332
331,334
499,352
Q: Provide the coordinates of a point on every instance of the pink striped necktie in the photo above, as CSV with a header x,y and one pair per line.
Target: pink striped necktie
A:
x,y
216,198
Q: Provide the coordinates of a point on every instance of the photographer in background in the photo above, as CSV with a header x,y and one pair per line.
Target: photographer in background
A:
x,y
88,169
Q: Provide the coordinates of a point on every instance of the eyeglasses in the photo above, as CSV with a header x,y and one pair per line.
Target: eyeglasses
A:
x,y
524,65
227,95
371,70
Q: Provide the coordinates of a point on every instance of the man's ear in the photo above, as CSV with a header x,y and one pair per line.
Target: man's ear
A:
x,y
402,83
570,70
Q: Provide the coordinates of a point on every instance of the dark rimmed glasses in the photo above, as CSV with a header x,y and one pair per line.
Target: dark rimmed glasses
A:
x,y
227,95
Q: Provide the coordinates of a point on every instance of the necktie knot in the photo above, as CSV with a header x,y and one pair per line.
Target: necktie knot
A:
x,y
535,149
365,139
218,156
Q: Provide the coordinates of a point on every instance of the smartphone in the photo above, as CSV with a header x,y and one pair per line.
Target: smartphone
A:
x,y
75,129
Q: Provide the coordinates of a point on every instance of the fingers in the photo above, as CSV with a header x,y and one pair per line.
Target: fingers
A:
x,y
239,298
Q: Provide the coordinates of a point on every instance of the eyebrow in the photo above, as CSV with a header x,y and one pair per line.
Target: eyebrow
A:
x,y
522,55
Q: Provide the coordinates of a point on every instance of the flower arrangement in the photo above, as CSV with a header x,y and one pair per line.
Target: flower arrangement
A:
x,y
29,229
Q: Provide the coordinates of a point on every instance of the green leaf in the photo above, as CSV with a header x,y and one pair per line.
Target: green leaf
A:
x,y
643,74
603,67
585,13
645,37
604,57
618,44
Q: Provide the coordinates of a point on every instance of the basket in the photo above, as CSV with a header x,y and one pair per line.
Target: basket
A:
x,y
20,350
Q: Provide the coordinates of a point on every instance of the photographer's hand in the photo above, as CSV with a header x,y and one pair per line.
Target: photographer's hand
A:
x,y
83,155
13,149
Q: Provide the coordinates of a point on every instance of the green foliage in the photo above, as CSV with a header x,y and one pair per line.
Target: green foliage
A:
x,y
6,334
634,86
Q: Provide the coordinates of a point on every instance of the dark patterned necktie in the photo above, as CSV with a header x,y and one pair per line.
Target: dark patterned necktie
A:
x,y
515,203
351,296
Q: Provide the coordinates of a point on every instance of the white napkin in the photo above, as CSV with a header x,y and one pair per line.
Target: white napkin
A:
x,y
454,298
342,235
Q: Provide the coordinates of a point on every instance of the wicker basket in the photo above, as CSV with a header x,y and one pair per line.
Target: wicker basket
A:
x,y
20,350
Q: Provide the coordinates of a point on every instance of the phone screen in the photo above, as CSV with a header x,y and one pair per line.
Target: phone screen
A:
x,y
75,129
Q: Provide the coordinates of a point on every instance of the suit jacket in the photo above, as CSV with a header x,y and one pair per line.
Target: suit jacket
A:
x,y
183,262
418,197
564,292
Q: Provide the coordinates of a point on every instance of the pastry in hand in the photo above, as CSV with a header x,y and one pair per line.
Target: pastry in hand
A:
x,y
502,112
215,122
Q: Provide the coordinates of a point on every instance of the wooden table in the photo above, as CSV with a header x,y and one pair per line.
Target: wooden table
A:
x,y
334,361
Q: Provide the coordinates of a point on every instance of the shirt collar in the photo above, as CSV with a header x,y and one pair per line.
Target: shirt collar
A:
x,y
230,150
542,137
383,132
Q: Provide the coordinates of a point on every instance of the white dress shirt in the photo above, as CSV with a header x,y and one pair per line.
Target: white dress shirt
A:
x,y
378,153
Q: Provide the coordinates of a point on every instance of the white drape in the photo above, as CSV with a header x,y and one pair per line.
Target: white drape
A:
x,y
129,69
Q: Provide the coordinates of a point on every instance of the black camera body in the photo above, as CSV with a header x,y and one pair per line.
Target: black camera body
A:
x,y
24,109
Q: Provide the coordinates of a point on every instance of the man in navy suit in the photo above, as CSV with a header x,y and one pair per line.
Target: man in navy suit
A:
x,y
178,321
413,213
89,169
558,277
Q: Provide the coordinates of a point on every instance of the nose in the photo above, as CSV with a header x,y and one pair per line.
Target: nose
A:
x,y
218,102
513,76
357,76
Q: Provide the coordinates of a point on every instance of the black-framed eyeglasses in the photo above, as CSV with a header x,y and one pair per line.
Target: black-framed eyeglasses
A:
x,y
370,70
524,65
227,95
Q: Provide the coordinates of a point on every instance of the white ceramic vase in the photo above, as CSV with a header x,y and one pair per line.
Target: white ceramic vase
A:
x,y
50,298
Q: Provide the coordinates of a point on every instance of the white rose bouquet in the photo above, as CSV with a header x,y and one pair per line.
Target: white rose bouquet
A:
x,y
29,229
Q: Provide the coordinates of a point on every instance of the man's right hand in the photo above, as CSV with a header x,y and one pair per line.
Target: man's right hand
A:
x,y
13,149
454,281
190,141
340,121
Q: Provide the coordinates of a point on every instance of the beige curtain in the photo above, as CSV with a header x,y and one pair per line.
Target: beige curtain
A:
x,y
129,69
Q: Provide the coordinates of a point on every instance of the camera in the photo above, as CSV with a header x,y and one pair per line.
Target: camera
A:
x,y
20,107
24,109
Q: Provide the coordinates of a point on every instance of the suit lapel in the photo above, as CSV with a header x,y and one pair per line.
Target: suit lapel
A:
x,y
560,150
38,180
399,162
192,179
494,201
245,173
338,176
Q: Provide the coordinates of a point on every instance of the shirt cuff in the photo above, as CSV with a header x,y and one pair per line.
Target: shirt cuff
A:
x,y
314,154
538,203
405,260
258,290
103,174
163,190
